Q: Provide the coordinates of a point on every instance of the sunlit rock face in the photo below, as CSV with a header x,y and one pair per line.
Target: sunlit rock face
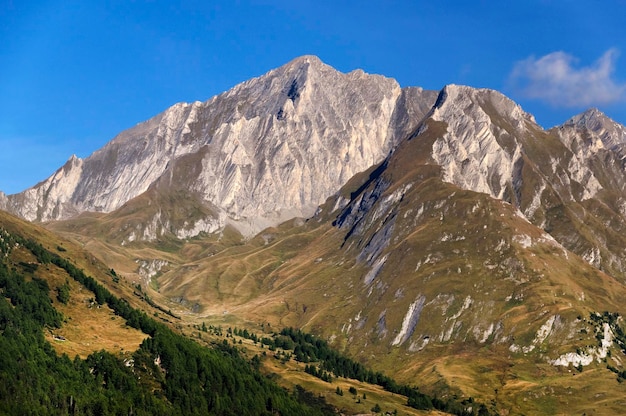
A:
x,y
277,146
269,149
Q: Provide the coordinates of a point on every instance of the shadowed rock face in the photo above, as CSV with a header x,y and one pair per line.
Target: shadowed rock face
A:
x,y
269,149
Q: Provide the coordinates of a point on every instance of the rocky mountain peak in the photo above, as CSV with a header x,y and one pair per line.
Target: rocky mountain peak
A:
x,y
606,132
457,98
490,145
481,145
589,117
269,149
304,63
276,146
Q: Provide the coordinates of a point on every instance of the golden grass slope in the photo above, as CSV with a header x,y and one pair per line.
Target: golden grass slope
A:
x,y
87,327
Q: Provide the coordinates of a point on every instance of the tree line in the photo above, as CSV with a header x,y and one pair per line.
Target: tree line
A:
x,y
324,362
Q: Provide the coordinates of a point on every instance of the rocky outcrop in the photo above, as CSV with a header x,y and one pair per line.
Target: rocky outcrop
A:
x,y
598,131
492,146
479,150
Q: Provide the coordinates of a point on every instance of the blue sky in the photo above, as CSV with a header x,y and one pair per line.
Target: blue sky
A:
x,y
73,74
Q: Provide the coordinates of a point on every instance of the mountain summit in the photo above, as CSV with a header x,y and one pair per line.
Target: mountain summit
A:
x,y
269,149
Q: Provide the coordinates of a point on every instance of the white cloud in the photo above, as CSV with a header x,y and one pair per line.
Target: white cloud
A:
x,y
554,78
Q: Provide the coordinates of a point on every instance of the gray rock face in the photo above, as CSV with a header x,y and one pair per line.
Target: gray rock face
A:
x,y
591,136
601,131
492,146
269,149
479,149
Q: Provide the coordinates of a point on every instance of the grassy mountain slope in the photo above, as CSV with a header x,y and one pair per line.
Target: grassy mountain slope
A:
x,y
166,374
128,361
498,297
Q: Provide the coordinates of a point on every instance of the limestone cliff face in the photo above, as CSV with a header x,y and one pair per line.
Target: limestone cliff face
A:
x,y
269,149
481,144
48,199
569,181
592,131
492,146
277,146
600,143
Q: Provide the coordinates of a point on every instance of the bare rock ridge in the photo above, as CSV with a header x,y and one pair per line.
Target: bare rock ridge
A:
x,y
569,181
492,146
269,149
598,125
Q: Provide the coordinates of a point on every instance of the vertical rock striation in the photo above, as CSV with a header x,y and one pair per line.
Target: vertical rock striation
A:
x,y
271,148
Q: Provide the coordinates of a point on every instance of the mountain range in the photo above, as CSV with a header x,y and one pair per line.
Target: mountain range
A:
x,y
443,236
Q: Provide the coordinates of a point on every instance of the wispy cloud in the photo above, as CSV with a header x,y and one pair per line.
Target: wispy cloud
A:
x,y
555,78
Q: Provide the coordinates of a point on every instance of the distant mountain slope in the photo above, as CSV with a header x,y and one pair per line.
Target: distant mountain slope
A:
x,y
269,149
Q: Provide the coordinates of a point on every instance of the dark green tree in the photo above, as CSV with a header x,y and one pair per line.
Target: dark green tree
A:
x,y
63,293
